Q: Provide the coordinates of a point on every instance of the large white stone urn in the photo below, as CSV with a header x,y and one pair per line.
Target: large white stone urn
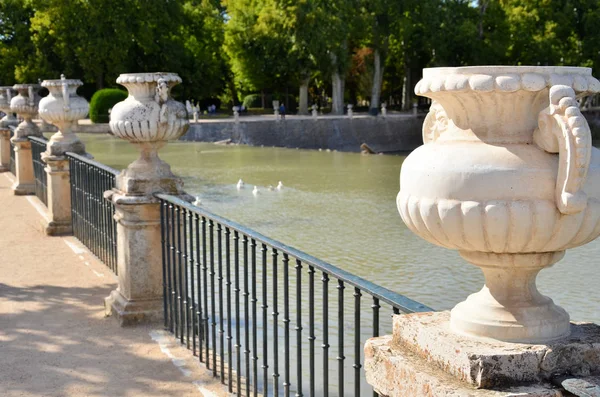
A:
x,y
509,178
6,94
148,118
63,108
25,104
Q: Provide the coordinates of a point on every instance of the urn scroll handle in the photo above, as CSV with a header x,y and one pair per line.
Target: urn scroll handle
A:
x,y
563,129
65,94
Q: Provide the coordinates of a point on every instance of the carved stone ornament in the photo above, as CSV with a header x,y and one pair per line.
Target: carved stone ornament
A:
x,y
63,108
6,94
509,178
25,105
148,118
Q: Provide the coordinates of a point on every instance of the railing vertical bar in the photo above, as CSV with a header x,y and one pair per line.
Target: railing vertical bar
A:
x,y
167,259
221,320
246,316
174,311
286,322
212,295
180,289
265,306
186,296
163,230
375,306
238,342
298,328
275,315
198,299
254,321
325,345
341,356
357,345
192,280
229,329
205,294
311,325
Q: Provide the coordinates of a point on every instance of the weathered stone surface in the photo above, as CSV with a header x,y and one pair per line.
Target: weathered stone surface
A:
x,y
486,363
397,372
508,176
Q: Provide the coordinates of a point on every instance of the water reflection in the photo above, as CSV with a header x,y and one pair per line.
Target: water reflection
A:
x,y
341,208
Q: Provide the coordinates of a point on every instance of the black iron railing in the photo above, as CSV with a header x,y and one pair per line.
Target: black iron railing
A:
x,y
93,216
38,146
13,164
267,318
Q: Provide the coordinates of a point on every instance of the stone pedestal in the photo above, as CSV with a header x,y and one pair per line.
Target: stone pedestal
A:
x,y
58,218
148,118
424,357
5,150
138,299
24,179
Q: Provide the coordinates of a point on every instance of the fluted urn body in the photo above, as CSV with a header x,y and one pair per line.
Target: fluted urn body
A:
x,y
63,108
149,117
6,94
509,178
25,105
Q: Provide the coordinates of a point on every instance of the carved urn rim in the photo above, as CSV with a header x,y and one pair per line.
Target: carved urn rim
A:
x,y
506,79
25,86
60,82
129,78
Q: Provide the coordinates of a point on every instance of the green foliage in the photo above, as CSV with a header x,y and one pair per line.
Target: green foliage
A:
x,y
252,101
102,101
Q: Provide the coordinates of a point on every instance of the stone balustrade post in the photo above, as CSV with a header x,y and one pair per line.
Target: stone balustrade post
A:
x,y
236,113
63,108
25,104
5,124
315,111
148,118
350,111
383,110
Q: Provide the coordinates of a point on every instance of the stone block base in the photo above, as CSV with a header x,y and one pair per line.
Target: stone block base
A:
x,y
23,189
425,358
397,372
56,228
130,313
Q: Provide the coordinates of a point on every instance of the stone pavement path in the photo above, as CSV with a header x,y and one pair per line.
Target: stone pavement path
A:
x,y
54,338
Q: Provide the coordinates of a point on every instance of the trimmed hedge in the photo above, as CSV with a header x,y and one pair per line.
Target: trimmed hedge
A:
x,y
102,101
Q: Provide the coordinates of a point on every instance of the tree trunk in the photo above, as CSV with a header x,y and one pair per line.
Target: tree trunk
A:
x,y
234,97
262,99
337,94
377,81
483,4
100,81
303,103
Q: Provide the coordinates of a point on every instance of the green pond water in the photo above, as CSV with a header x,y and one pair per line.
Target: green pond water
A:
x,y
340,207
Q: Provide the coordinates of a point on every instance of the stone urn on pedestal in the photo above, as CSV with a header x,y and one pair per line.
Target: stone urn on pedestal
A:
x,y
6,94
25,105
63,108
508,177
148,118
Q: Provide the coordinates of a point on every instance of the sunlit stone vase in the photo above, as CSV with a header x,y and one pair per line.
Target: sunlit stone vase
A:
x,y
62,107
7,121
508,177
148,118
25,105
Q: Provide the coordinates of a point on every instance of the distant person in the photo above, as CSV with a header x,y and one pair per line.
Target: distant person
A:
x,y
282,110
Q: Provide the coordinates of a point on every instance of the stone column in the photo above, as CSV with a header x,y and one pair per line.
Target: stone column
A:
x,y
26,106
63,108
5,124
148,118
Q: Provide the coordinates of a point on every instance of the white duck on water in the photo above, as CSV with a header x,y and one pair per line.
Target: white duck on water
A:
x,y
198,202
279,186
255,191
240,185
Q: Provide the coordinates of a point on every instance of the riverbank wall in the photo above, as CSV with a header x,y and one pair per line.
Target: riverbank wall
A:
x,y
390,134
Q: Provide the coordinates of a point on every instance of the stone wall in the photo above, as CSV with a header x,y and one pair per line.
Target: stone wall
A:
x,y
391,134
